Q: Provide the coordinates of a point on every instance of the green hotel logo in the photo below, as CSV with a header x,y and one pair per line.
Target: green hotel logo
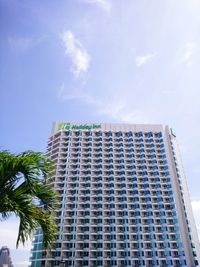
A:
x,y
172,132
68,126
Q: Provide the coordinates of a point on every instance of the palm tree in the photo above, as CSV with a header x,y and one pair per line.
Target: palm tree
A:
x,y
25,193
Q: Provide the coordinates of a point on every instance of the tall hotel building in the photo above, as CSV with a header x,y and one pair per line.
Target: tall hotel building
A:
x,y
123,198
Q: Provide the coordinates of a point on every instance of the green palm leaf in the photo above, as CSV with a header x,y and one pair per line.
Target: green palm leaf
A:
x,y
25,193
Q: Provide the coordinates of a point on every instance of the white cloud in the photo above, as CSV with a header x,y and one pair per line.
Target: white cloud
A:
x,y
141,60
22,264
196,212
114,108
104,4
117,110
78,54
196,205
189,53
64,94
9,232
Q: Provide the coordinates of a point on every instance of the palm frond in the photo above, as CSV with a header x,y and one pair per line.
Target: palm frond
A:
x,y
25,193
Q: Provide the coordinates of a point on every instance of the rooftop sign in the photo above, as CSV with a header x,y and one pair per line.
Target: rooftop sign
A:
x,y
68,126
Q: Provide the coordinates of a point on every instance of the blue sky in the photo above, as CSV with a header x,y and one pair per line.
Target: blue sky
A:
x,y
133,61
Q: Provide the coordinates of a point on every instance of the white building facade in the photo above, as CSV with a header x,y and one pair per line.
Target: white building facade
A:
x,y
123,198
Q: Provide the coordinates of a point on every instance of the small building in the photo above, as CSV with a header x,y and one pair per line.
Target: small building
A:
x,y
5,258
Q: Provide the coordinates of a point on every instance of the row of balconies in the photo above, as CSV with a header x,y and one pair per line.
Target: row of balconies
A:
x,y
130,199
111,161
82,215
173,244
105,191
116,145
105,149
111,138
107,198
98,180
165,204
120,162
118,214
116,263
100,220
120,245
107,141
85,212
115,212
115,172
104,141
132,245
121,175
74,167
108,228
116,148
121,218
110,150
132,205
112,179
117,184
118,193
105,155
100,134
128,162
118,190
102,245
113,253
121,229
76,132
109,202
143,190
121,254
